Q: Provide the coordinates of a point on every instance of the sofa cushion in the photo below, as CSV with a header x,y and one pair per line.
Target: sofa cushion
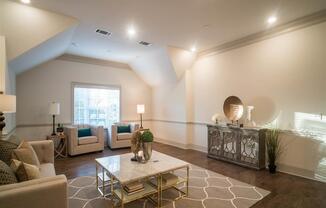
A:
x,y
124,129
84,132
87,140
6,150
47,170
7,176
124,136
24,171
26,154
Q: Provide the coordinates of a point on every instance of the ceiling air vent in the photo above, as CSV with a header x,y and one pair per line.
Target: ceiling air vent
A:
x,y
144,43
103,32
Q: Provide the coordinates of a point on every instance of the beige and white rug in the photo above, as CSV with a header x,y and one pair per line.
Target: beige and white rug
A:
x,y
207,189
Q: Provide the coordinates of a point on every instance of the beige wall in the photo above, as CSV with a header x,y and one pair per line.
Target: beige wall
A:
x,y
52,81
279,76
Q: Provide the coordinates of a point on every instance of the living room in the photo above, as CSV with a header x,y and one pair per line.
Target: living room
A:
x,y
231,93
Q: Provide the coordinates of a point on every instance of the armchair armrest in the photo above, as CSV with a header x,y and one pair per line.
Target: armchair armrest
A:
x,y
98,131
134,127
44,150
50,192
72,136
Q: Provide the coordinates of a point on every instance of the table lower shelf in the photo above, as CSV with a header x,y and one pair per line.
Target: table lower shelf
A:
x,y
149,189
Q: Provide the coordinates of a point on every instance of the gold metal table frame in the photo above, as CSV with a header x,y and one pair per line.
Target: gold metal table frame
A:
x,y
117,188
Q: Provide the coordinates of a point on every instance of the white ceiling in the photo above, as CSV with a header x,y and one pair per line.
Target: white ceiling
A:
x,y
178,23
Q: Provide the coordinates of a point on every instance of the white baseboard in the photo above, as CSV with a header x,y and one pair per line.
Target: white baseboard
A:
x,y
181,145
303,173
281,167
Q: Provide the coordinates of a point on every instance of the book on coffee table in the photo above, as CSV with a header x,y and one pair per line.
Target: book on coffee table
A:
x,y
168,179
134,187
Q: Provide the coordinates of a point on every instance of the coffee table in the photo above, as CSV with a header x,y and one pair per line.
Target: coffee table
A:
x,y
117,171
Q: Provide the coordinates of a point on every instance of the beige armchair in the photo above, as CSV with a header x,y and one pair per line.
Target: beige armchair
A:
x,y
48,191
120,140
80,145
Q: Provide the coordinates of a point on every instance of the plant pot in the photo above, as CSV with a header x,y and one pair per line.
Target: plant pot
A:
x,y
147,150
272,169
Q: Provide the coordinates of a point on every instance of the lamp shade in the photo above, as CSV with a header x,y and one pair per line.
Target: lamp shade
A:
x,y
140,108
7,103
54,108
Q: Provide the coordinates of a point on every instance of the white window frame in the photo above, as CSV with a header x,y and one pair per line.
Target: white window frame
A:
x,y
96,86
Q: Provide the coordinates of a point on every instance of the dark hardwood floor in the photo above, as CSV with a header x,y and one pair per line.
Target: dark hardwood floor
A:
x,y
286,190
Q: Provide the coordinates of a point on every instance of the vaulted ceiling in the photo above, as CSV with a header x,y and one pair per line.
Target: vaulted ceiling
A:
x,y
178,23
172,26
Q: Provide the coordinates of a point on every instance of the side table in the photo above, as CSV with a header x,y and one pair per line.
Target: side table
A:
x,y
60,145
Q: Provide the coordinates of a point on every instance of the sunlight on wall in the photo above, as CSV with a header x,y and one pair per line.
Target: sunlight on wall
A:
x,y
311,125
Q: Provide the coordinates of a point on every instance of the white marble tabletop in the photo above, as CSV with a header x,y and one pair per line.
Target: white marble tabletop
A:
x,y
125,170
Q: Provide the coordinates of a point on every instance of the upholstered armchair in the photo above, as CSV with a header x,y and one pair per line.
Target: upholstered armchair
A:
x,y
50,190
121,134
84,139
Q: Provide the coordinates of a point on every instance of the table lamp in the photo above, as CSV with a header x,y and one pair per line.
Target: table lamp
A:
x,y
7,105
141,111
54,109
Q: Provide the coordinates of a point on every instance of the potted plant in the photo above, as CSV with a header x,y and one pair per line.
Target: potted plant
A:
x,y
273,148
147,138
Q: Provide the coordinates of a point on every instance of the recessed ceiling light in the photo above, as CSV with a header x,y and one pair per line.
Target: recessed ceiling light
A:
x,y
272,20
131,31
26,1
193,49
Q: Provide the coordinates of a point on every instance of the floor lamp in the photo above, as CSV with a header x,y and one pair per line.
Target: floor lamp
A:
x,y
54,109
141,111
7,105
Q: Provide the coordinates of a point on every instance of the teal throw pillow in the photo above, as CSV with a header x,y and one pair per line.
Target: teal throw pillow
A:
x,y
84,132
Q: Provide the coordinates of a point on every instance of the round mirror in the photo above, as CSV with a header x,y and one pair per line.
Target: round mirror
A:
x,y
233,108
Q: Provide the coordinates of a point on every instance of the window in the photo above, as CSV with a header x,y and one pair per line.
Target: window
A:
x,y
96,105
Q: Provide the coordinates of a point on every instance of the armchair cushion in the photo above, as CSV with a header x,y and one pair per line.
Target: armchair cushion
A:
x,y
124,129
44,150
26,154
87,140
47,170
6,150
7,176
24,171
124,136
85,132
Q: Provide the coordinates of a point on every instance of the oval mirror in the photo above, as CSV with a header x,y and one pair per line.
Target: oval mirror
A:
x,y
233,108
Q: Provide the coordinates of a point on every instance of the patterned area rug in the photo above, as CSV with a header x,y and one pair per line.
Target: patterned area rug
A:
x,y
207,189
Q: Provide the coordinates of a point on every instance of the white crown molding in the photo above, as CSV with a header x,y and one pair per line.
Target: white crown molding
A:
x,y
93,61
296,24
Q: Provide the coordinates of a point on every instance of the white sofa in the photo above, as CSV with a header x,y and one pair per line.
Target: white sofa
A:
x,y
49,191
121,140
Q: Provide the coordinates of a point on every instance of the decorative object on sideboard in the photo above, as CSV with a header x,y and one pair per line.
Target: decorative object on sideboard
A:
x,y
141,111
273,148
215,118
7,105
233,109
249,122
54,109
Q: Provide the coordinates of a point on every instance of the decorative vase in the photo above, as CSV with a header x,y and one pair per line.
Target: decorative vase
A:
x,y
249,122
272,168
147,150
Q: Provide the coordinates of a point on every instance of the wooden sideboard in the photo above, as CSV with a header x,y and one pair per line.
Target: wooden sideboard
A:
x,y
242,146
